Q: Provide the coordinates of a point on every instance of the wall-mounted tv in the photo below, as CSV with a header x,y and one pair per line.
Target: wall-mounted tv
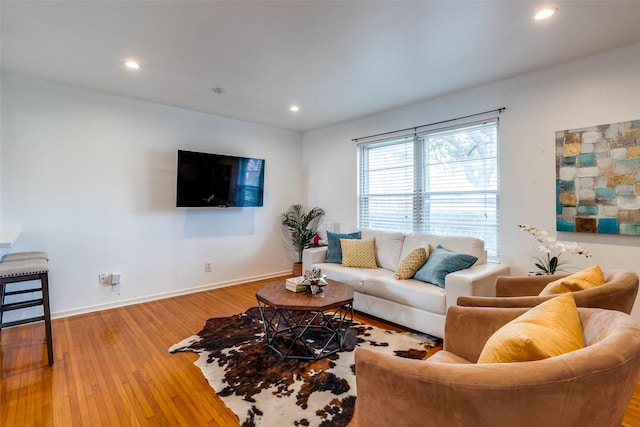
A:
x,y
217,180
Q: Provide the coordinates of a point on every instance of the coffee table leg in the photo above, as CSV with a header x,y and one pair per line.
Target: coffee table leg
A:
x,y
339,321
271,323
345,320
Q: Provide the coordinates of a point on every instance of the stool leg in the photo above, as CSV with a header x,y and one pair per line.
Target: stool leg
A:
x,y
2,286
44,278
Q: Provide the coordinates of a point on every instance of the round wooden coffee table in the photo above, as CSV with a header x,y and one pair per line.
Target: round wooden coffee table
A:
x,y
302,325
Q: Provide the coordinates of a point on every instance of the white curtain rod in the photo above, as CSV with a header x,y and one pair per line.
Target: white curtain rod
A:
x,y
415,128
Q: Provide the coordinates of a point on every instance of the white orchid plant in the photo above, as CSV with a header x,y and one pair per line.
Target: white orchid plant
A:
x,y
552,249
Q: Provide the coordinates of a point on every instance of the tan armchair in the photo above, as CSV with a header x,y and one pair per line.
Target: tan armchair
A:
x,y
617,293
591,386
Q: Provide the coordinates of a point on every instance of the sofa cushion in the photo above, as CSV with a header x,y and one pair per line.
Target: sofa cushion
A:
x,y
358,253
388,247
442,262
549,329
334,250
351,276
584,279
411,263
415,240
411,293
458,244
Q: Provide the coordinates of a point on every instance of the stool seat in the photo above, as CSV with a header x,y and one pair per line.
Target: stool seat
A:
x,y
26,270
24,267
19,256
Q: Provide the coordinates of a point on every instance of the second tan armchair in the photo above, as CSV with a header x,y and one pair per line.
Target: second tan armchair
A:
x,y
617,293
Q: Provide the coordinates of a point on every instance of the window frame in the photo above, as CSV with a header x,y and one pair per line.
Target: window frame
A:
x,y
420,217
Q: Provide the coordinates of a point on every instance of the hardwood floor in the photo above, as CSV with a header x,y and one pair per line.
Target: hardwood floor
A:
x,y
113,368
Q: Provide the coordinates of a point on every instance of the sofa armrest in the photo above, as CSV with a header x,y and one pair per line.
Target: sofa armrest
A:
x,y
478,280
311,256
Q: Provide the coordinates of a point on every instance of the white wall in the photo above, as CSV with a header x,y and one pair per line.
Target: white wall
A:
x,y
90,178
597,90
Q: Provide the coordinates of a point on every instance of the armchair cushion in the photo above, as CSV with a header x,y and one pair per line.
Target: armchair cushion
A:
x,y
334,249
584,279
442,262
549,329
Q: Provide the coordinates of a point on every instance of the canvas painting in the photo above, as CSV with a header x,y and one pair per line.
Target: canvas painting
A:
x,y
598,179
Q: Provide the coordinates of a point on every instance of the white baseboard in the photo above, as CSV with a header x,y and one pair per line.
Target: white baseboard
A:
x,y
153,297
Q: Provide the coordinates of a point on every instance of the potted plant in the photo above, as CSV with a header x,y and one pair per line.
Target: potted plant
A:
x,y
300,227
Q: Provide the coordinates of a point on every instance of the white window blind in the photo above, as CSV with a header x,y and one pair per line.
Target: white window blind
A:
x,y
438,182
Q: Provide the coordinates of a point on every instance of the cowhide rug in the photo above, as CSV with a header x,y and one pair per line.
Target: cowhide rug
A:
x,y
264,390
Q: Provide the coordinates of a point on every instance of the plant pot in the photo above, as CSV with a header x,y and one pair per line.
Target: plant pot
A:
x,y
297,269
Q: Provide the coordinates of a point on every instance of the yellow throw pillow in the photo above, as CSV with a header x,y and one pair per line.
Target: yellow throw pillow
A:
x,y
412,263
550,329
358,253
584,279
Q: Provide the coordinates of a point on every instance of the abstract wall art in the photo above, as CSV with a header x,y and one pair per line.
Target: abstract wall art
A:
x,y
598,179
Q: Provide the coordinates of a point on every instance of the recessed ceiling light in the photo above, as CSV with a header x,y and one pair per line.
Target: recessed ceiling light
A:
x,y
294,108
132,64
545,13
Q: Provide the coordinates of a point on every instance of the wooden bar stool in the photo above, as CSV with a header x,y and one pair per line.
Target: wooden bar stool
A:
x,y
26,270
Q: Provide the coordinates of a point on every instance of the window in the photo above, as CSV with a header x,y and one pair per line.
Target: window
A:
x,y
438,182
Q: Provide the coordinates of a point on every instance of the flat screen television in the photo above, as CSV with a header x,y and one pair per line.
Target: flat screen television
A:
x,y
217,180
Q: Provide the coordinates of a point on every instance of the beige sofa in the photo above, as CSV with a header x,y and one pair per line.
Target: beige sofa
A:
x,y
587,387
417,305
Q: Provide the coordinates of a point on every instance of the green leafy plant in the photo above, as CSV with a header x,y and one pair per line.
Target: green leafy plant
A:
x,y
301,227
552,249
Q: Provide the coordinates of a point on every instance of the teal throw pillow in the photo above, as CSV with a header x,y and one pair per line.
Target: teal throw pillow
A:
x,y
334,249
442,262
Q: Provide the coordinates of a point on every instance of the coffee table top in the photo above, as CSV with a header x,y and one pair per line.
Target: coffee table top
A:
x,y
276,295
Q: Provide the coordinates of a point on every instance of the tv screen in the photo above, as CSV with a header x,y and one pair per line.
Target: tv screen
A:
x,y
217,180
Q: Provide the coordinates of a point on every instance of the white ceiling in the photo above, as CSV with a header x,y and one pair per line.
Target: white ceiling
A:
x,y
337,60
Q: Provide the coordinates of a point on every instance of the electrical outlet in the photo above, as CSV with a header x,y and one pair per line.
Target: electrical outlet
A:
x,y
104,279
207,267
115,278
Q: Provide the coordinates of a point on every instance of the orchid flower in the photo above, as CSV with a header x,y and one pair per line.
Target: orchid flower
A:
x,y
552,249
